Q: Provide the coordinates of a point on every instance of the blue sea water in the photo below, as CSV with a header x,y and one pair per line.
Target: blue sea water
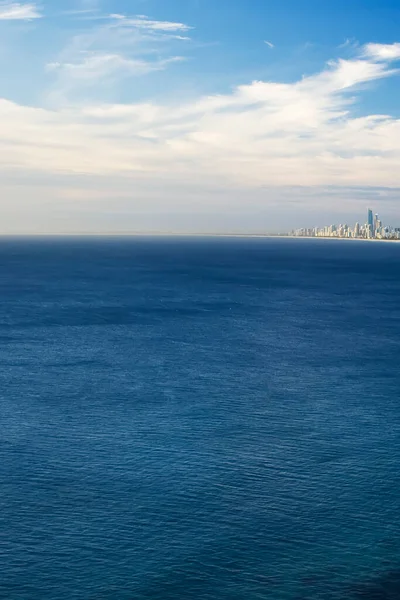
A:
x,y
199,419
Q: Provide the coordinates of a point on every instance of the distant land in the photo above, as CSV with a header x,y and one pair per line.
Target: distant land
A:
x,y
180,234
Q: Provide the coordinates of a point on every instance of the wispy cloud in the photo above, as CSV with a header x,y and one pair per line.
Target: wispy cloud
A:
x,y
269,44
95,66
143,22
117,47
13,11
81,12
349,43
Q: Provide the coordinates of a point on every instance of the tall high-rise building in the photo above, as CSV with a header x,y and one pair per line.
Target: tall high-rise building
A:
x,y
376,221
370,221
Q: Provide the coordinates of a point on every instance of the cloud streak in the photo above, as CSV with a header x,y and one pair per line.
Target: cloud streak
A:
x,y
14,11
98,66
117,48
143,22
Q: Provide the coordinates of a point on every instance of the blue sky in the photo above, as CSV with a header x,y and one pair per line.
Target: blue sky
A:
x,y
198,115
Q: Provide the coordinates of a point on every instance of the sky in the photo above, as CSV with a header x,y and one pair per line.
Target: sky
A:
x,y
198,116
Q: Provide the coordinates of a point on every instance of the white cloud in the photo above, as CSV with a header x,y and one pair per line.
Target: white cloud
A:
x,y
383,52
307,134
263,133
269,44
14,11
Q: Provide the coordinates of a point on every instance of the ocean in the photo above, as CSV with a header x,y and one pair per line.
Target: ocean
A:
x,y
199,419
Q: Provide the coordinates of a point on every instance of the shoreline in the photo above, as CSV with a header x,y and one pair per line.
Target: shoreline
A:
x,y
305,237
188,235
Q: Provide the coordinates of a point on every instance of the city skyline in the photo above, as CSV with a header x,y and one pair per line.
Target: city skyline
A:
x,y
372,229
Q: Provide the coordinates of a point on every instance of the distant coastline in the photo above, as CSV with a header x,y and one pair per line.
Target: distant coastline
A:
x,y
343,239
372,230
194,235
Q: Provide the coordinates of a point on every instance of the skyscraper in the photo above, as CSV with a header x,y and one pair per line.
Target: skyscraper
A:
x,y
370,221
